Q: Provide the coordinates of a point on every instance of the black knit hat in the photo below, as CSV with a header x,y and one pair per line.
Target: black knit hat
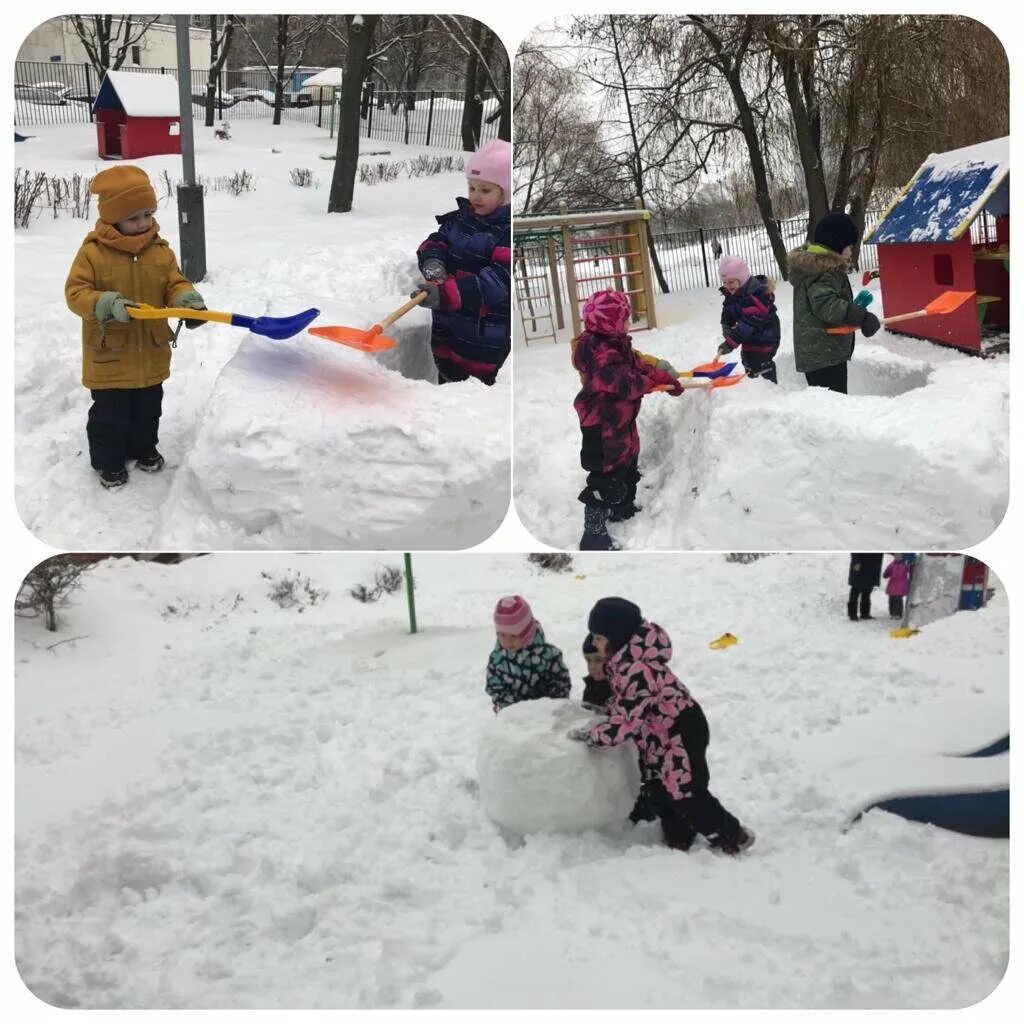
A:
x,y
836,231
615,618
589,647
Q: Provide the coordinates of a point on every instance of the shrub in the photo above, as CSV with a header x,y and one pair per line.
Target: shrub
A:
x,y
551,561
48,587
302,176
293,590
387,579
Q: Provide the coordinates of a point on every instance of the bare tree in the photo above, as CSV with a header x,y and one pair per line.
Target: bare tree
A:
x,y
108,38
292,35
558,153
48,587
361,29
221,35
487,68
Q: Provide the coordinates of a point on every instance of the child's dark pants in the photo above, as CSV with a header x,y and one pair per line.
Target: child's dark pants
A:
x,y
701,812
123,424
831,377
896,606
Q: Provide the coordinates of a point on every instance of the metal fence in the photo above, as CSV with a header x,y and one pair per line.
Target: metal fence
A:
x,y
47,93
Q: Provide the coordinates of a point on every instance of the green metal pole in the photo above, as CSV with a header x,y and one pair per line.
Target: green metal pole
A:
x,y
409,592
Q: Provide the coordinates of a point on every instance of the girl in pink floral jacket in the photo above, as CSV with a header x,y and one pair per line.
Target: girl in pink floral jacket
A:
x,y
653,708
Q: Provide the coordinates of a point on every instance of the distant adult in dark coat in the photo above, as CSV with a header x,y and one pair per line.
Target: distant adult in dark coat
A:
x,y
865,575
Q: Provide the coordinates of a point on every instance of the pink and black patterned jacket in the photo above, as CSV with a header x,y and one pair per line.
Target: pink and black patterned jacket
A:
x,y
647,701
615,379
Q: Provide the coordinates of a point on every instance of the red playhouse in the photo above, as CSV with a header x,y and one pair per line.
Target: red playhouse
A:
x,y
925,245
137,115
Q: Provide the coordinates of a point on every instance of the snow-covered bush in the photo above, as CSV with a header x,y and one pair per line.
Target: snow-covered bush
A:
x,y
553,561
745,557
382,170
425,165
301,176
533,778
293,590
48,586
387,579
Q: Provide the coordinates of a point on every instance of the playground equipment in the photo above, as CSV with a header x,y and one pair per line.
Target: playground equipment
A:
x,y
562,259
924,244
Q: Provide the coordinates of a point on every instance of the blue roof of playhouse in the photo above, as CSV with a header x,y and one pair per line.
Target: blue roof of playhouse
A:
x,y
947,194
138,94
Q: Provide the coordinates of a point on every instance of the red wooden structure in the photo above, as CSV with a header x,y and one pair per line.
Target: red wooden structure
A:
x,y
925,247
137,115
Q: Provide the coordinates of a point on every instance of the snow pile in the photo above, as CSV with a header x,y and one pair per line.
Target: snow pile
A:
x,y
534,779
918,450
220,802
301,443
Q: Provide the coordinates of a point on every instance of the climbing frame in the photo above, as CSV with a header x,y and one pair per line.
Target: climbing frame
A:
x,y
590,251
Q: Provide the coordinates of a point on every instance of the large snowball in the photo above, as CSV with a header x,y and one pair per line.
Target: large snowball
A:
x,y
534,779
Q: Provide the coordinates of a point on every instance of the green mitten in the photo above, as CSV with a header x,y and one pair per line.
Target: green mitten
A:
x,y
113,306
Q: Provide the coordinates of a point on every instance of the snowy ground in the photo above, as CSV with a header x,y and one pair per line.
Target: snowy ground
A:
x,y
222,803
917,451
270,444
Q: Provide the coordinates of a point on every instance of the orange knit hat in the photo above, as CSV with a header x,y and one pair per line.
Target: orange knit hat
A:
x,y
122,191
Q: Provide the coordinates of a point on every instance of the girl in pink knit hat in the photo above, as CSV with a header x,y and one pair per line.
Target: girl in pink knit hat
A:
x,y
615,378
523,665
750,321
466,267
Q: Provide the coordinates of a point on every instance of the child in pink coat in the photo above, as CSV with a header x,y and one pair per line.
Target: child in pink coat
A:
x,y
897,572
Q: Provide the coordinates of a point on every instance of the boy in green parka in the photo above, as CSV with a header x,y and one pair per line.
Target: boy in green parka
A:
x,y
823,298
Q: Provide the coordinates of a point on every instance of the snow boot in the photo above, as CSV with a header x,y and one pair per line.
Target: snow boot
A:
x,y
151,463
736,844
595,530
643,809
621,513
113,478
851,610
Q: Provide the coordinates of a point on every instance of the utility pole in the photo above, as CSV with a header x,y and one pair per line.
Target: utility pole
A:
x,y
191,223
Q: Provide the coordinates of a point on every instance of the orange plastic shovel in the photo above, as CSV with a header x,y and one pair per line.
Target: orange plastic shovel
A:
x,y
703,383
945,303
373,340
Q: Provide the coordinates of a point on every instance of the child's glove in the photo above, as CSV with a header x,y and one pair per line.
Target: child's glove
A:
x,y
434,270
433,290
582,735
871,325
191,300
664,364
113,306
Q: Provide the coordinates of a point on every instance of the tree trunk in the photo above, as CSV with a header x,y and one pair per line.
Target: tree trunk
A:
x,y
655,262
346,164
471,107
807,143
282,52
218,56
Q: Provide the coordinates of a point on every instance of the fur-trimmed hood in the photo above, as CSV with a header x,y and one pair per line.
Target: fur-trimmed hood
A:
x,y
804,262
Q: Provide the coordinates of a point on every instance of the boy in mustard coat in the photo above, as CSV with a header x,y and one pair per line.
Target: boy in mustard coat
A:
x,y
122,262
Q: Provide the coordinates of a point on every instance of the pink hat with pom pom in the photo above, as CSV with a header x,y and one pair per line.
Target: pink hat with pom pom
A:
x,y
513,615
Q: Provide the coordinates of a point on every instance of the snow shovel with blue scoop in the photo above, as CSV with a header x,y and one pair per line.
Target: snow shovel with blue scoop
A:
x,y
276,327
715,369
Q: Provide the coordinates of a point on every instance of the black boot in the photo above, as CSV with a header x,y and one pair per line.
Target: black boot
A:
x,y
595,530
113,478
851,608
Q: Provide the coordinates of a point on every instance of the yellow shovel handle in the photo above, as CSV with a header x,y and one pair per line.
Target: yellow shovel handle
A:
x,y
145,312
